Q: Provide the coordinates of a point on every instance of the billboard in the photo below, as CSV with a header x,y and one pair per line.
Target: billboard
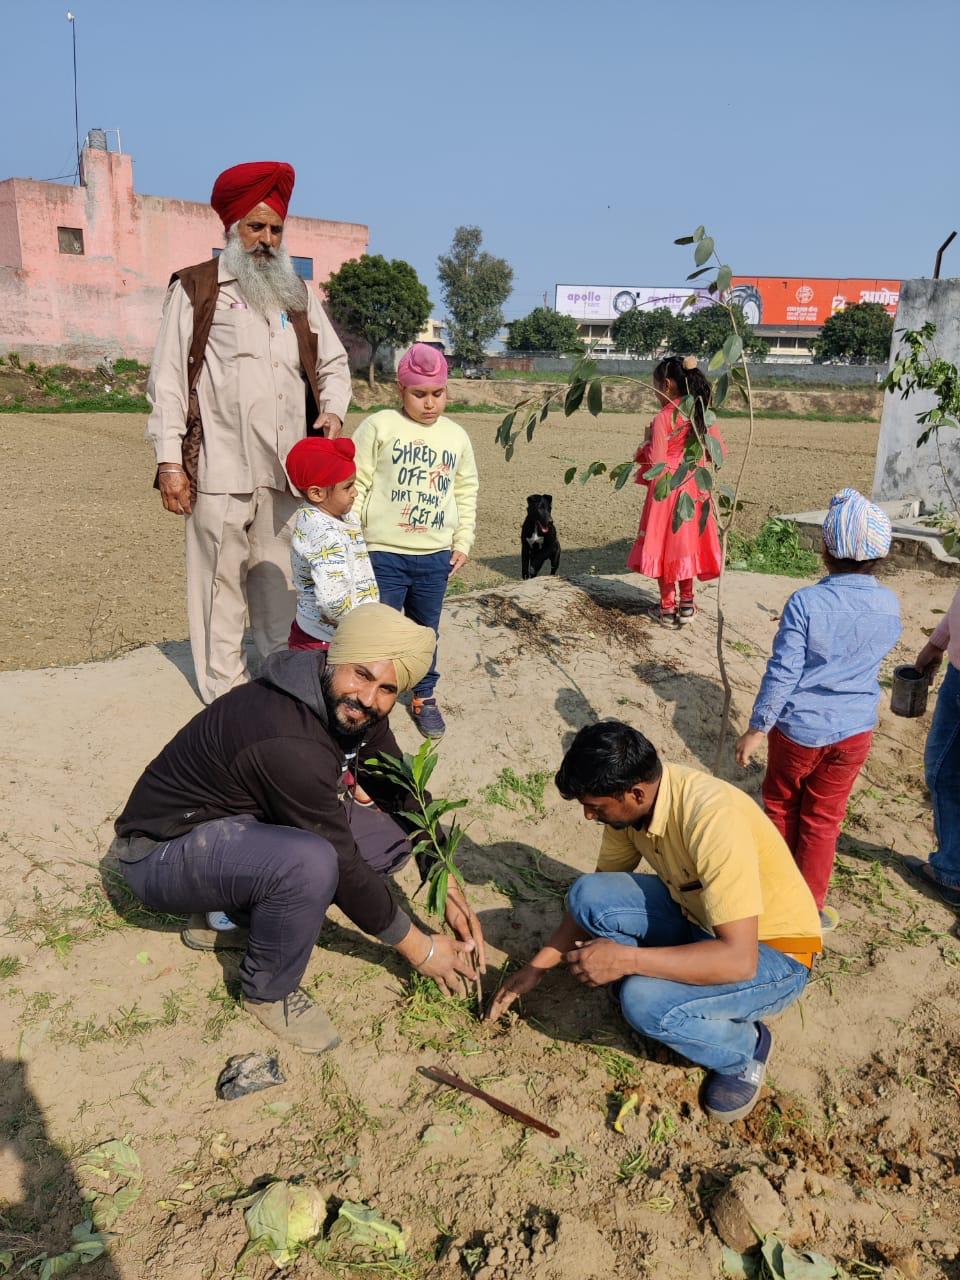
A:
x,y
604,302
798,302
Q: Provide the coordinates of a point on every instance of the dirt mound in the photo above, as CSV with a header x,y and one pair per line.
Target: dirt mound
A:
x,y
115,1029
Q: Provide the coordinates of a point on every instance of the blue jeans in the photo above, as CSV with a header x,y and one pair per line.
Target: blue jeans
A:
x,y
415,585
712,1025
941,765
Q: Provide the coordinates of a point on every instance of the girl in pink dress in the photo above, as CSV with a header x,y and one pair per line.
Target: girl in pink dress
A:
x,y
659,552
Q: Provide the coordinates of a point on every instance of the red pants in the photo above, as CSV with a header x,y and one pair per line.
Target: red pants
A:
x,y
668,593
299,639
805,795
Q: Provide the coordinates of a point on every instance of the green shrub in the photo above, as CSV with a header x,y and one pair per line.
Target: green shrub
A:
x,y
124,365
775,549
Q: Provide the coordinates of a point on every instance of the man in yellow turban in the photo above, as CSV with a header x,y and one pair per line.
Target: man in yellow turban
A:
x,y
250,811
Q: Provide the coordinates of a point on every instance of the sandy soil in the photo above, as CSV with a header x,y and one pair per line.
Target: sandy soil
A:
x,y
110,1027
93,565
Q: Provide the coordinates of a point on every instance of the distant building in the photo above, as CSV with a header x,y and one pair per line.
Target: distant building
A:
x,y
83,270
787,311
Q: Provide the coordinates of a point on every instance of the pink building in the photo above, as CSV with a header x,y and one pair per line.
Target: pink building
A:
x,y
83,270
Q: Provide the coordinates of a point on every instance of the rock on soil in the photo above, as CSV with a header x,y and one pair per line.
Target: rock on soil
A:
x,y
746,1210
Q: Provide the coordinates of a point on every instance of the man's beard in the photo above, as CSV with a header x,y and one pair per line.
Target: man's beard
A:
x,y
346,730
265,276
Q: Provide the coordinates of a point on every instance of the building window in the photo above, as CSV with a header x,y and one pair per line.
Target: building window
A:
x,y
70,239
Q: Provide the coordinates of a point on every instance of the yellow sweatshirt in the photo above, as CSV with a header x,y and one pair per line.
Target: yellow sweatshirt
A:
x,y
416,485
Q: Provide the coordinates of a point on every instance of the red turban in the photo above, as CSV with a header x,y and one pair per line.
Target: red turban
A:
x,y
242,188
320,461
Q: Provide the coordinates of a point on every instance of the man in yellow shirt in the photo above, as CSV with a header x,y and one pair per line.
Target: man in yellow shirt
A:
x,y
720,937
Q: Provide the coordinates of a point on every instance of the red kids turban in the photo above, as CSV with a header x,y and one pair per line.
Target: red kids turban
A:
x,y
320,461
242,188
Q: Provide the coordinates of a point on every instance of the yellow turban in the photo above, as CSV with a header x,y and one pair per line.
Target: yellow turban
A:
x,y
377,633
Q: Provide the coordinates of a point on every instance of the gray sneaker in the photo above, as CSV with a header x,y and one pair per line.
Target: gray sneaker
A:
x,y
198,936
297,1020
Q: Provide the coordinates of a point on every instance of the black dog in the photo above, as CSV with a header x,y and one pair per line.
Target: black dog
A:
x,y
538,537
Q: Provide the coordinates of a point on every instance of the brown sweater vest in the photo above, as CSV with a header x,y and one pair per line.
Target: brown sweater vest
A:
x,y
201,285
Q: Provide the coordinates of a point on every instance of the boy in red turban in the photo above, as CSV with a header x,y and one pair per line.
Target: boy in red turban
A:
x,y
329,560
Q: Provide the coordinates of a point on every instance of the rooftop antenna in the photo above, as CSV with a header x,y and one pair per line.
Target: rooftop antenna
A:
x,y
72,19
946,244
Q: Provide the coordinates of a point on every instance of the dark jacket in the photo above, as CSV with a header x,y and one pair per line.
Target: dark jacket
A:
x,y
266,749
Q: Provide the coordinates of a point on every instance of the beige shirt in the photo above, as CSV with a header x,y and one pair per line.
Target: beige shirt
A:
x,y
252,394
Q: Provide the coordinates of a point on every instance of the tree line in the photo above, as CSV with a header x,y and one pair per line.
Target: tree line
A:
x,y
384,302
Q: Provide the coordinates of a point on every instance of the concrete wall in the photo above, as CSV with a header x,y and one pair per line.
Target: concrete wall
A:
x,y
78,308
903,470
848,375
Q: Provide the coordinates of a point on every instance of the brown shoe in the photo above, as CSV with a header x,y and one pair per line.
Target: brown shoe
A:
x,y
297,1020
198,936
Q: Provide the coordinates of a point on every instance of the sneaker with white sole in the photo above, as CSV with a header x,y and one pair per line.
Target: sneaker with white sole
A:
x,y
733,1097
199,936
297,1020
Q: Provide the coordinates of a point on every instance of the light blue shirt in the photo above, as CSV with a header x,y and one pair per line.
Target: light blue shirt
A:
x,y
821,682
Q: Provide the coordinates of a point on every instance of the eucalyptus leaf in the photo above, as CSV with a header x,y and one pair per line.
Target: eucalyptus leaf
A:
x,y
724,276
715,450
657,469
662,488
720,388
703,479
620,475
569,475
694,274
733,348
703,250
717,361
574,397
595,397
699,233
684,240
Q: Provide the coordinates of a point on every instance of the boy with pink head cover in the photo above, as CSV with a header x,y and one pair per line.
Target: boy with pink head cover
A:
x,y
417,490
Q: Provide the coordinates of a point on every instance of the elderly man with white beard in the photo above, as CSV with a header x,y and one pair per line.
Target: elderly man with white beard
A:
x,y
246,364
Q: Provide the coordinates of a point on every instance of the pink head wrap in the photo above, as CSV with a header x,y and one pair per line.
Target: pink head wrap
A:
x,y
422,366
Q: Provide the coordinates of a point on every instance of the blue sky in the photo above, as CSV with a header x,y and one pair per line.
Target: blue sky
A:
x,y
812,139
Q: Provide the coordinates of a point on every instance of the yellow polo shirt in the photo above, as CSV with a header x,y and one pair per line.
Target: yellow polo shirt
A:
x,y
722,859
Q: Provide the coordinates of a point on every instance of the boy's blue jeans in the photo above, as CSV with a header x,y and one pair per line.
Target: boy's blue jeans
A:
x,y
714,1026
415,585
941,765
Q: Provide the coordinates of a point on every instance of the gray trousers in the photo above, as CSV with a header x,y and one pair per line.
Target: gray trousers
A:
x,y
281,880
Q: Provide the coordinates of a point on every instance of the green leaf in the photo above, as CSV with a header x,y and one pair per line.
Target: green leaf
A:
x,y
283,1217
720,388
805,1266
503,431
733,348
569,474
662,488
717,361
684,240
621,474
574,398
657,469
113,1159
61,1264
595,397
703,250
709,418
704,517
362,1227
739,1266
699,233
683,511
680,475
703,479
694,274
715,450
544,411
688,406
724,276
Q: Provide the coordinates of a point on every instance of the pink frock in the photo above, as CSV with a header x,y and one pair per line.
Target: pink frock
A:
x,y
659,552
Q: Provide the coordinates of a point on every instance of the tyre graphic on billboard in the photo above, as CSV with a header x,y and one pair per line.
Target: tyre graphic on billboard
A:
x,y
748,298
